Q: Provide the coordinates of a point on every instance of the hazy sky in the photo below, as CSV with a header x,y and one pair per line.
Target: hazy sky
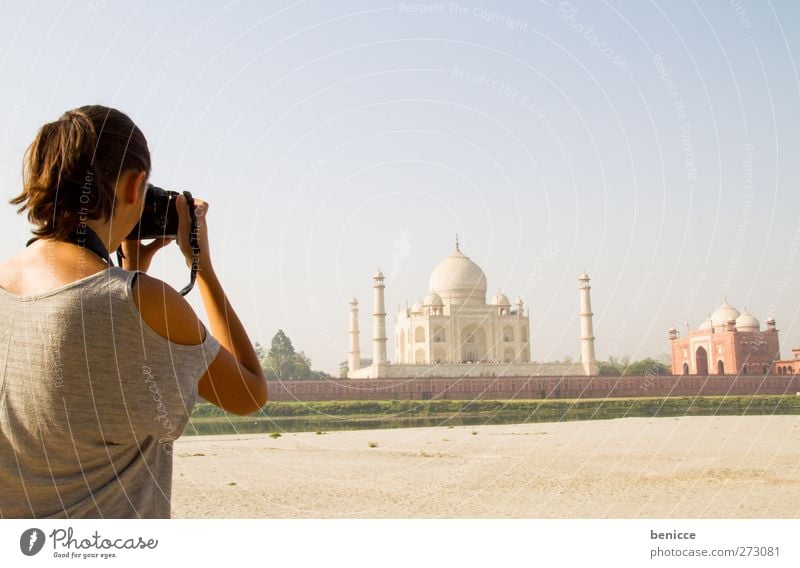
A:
x,y
653,144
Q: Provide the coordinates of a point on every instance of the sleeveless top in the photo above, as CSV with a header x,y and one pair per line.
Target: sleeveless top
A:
x,y
91,400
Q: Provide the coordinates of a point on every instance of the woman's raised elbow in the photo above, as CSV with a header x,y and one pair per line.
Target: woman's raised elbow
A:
x,y
261,396
256,397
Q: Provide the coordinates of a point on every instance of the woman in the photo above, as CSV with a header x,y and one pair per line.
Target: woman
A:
x,y
100,366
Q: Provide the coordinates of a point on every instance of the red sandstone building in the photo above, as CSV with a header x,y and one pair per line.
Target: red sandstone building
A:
x,y
729,342
789,366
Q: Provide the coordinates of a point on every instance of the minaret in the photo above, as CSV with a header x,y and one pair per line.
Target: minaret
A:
x,y
587,334
379,323
354,360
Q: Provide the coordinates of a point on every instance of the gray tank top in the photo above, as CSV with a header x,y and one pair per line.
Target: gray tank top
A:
x,y
91,400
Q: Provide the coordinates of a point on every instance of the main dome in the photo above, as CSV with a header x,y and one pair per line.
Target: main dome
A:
x,y
725,312
458,280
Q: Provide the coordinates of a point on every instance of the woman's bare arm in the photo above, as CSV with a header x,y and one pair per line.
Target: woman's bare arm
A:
x,y
235,385
234,380
243,389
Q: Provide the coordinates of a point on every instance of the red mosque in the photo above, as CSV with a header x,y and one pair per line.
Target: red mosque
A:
x,y
730,342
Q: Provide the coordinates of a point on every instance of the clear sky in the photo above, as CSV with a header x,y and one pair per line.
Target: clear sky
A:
x,y
653,144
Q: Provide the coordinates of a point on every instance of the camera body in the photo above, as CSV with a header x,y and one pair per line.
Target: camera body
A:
x,y
159,215
160,219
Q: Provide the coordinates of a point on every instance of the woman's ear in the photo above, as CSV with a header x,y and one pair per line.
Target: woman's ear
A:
x,y
135,186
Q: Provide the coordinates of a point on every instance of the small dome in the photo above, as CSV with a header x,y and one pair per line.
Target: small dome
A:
x,y
583,276
724,313
433,299
378,274
747,322
459,279
706,324
417,307
500,300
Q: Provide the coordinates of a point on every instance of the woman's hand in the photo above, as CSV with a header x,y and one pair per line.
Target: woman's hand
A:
x,y
137,256
184,227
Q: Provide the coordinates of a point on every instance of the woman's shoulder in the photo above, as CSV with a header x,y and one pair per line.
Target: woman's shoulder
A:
x,y
8,273
165,310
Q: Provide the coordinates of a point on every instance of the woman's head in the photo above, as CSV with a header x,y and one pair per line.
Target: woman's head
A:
x,y
72,169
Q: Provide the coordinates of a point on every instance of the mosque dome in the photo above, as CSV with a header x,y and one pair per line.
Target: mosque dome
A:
x,y
747,322
500,300
433,299
417,307
724,313
459,279
705,325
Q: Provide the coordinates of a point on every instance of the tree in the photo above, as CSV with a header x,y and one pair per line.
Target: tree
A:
x,y
610,368
301,367
284,363
618,367
646,366
260,354
281,355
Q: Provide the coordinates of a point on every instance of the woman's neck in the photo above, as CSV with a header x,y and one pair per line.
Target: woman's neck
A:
x,y
109,237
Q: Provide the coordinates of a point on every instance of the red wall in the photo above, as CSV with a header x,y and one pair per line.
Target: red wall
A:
x,y
535,387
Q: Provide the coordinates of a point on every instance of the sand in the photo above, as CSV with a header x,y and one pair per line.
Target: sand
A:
x,y
688,467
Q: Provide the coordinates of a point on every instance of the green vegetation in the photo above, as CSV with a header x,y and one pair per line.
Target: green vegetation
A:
x,y
284,363
323,416
621,367
639,406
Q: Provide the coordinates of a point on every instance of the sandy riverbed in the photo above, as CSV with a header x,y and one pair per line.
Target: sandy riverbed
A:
x,y
633,467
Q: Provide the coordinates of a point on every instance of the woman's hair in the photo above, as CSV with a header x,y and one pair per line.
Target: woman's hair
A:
x,y
70,171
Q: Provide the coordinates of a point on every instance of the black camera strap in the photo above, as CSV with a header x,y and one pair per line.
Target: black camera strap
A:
x,y
88,240
194,243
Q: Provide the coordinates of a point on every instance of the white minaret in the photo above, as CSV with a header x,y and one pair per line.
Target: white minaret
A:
x,y
354,360
587,334
379,323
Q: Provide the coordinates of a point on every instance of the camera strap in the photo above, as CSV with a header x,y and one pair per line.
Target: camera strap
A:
x,y
92,242
194,243
88,240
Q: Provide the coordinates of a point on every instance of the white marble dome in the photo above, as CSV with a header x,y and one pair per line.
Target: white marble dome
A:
x,y
433,300
417,307
500,300
747,322
724,313
459,280
705,325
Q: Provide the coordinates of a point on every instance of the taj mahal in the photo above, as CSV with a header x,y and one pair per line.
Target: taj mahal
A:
x,y
455,333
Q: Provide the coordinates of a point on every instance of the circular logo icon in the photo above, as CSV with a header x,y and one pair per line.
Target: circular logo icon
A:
x,y
31,541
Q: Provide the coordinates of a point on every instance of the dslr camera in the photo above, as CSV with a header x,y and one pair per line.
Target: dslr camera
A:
x,y
159,216
160,220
